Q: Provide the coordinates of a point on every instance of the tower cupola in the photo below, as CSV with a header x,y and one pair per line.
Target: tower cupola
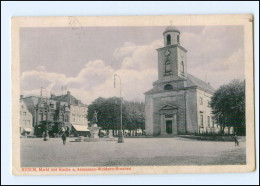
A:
x,y
171,36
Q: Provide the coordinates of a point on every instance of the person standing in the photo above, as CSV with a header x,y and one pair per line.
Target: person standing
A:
x,y
63,137
236,140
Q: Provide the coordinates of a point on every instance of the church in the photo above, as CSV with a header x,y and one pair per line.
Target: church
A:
x,y
178,103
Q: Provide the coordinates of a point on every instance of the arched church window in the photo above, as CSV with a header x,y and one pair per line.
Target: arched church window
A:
x,y
178,39
167,67
168,87
182,67
168,39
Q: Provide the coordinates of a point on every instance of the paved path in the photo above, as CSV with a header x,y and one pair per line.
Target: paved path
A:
x,y
135,151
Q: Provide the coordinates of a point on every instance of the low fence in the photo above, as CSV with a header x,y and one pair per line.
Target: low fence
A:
x,y
213,138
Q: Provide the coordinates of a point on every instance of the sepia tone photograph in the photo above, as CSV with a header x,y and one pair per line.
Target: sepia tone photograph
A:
x,y
112,95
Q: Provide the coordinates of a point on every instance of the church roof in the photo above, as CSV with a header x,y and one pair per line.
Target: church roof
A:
x,y
171,29
65,98
193,81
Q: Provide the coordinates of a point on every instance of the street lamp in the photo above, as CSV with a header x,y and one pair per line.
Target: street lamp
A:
x,y
46,136
121,135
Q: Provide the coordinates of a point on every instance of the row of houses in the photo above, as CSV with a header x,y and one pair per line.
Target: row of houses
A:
x,y
69,112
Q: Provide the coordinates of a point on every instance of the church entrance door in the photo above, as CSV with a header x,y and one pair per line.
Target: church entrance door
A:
x,y
168,115
169,126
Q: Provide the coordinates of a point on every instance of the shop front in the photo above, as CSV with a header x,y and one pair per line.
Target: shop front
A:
x,y
80,130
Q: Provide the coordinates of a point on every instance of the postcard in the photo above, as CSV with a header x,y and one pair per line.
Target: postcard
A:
x,y
132,95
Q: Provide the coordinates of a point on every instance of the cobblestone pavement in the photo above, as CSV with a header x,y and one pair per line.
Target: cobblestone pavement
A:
x,y
135,151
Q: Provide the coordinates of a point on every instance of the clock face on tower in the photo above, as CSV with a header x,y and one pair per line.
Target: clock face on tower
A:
x,y
167,53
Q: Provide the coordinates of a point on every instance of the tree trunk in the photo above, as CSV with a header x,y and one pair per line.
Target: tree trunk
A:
x,y
221,129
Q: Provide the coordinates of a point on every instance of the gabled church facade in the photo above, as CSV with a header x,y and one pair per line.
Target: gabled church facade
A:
x,y
178,103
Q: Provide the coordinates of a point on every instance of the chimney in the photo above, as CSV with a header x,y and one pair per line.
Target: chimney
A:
x,y
69,97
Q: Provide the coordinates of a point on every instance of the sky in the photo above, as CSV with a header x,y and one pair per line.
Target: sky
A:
x,y
85,59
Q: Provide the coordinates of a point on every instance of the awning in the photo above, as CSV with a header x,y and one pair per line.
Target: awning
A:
x,y
27,130
80,127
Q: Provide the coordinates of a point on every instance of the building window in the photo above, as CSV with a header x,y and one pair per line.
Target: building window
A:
x,y
62,117
208,103
201,120
178,39
168,39
168,115
201,101
41,115
24,113
208,121
182,67
66,118
21,113
168,87
45,115
52,117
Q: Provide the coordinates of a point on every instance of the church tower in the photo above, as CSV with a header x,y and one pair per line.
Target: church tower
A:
x,y
176,103
172,61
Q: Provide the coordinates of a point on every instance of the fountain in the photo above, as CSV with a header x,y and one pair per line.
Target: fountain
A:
x,y
94,130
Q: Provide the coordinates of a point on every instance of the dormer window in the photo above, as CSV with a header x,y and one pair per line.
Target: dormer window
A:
x,y
168,39
178,39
